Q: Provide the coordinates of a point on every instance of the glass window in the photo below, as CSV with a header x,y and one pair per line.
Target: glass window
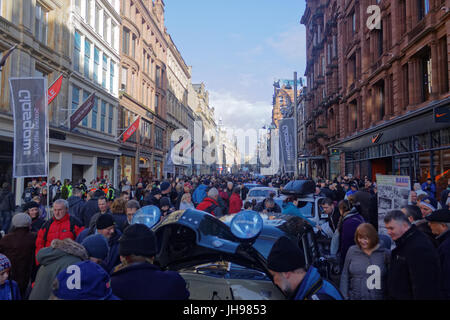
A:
x,y
133,46
94,113
87,57
77,51
96,64
111,76
87,15
105,27
77,6
75,98
41,23
110,118
158,137
103,116
113,35
105,70
123,84
97,19
126,41
156,104
86,94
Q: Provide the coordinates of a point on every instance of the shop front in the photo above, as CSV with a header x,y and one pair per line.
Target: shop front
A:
x,y
128,165
414,145
105,168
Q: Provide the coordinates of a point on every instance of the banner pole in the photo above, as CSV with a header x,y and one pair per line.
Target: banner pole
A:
x,y
47,132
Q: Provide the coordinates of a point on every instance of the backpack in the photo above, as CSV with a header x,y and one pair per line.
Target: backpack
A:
x,y
72,220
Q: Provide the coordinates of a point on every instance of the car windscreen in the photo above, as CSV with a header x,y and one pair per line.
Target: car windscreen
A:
x,y
227,270
260,193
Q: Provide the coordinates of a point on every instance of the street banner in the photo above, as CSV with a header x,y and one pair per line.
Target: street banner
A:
x,y
392,193
82,111
29,105
287,144
6,55
54,89
131,129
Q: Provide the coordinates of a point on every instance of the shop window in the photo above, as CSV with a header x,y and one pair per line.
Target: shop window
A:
x,y
441,162
422,142
424,166
445,137
435,139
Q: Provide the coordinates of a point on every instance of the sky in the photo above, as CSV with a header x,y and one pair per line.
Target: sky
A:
x,y
238,48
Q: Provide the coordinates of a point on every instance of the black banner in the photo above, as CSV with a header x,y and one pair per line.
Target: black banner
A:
x,y
29,104
287,144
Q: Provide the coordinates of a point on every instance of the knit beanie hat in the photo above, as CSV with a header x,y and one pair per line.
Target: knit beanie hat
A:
x,y
104,221
155,191
4,262
21,220
164,202
29,205
97,246
93,284
137,239
285,256
164,186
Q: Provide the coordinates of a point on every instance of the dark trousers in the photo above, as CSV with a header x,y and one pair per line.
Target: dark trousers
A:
x,y
5,220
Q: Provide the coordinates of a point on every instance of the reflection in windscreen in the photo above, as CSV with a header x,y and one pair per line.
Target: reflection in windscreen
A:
x,y
260,193
227,270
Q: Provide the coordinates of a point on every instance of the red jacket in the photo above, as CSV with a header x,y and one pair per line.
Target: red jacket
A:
x,y
59,229
206,203
235,204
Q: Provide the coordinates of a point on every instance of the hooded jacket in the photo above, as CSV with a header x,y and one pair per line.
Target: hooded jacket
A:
x,y
235,204
199,194
145,281
414,272
347,232
54,259
209,205
357,270
310,288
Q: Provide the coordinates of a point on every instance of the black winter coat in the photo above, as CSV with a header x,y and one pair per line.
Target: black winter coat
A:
x,y
76,205
444,257
145,281
88,211
415,272
7,201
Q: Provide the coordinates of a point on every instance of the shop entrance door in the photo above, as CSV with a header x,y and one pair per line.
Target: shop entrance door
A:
x,y
77,173
381,166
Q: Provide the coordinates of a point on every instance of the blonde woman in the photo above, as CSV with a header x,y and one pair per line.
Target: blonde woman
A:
x,y
186,202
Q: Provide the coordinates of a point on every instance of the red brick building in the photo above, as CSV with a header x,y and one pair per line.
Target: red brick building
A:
x,y
374,88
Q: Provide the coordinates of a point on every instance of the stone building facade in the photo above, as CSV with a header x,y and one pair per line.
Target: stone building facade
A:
x,y
374,88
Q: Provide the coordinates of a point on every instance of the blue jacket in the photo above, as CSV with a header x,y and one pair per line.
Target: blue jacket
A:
x,y
199,194
432,190
145,281
10,291
290,209
309,285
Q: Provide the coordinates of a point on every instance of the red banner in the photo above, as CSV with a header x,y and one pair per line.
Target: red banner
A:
x,y
54,89
131,129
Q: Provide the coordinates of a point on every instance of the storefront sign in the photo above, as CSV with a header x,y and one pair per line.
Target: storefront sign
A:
x,y
105,162
29,105
393,193
442,114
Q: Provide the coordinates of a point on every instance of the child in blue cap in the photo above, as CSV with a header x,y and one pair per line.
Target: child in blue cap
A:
x,y
9,290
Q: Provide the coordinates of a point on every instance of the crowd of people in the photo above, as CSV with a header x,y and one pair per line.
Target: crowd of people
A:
x,y
89,229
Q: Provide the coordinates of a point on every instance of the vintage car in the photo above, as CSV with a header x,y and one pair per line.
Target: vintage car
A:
x,y
223,259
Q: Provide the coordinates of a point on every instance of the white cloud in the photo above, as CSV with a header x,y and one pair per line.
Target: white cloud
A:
x,y
291,44
237,113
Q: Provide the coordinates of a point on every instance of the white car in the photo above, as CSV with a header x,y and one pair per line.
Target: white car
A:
x,y
260,193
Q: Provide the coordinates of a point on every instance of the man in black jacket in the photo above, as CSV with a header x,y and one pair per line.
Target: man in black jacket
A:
x,y
268,206
7,207
76,204
439,222
415,272
91,206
